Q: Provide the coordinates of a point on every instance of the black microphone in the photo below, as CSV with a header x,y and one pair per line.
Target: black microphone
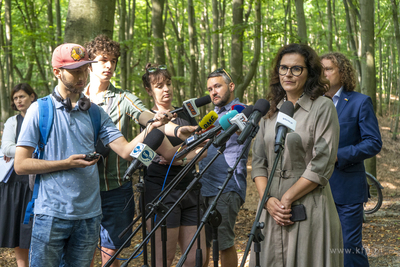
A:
x,y
283,122
260,109
242,117
144,153
191,106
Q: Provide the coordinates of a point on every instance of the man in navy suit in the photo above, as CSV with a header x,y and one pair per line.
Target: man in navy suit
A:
x,y
359,139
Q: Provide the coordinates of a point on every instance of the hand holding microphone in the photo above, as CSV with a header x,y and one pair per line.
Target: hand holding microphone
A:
x,y
190,106
144,153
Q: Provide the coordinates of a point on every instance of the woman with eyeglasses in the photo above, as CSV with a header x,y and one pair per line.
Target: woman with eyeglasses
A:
x,y
312,235
182,222
15,193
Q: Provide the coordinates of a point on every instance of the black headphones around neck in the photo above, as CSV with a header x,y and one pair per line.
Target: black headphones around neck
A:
x,y
83,103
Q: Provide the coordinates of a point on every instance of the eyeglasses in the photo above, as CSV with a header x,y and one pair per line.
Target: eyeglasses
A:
x,y
154,69
295,70
221,70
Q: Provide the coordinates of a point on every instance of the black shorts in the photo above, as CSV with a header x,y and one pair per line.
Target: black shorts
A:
x,y
185,213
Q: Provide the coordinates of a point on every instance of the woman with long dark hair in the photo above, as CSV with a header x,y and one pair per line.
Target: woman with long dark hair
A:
x,y
15,193
306,164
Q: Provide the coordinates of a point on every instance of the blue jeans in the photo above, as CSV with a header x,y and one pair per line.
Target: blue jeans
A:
x,y
59,242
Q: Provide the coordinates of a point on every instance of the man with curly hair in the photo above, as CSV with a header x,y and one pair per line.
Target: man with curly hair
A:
x,y
359,139
121,106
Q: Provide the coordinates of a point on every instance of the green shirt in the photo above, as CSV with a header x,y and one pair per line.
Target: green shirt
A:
x,y
122,106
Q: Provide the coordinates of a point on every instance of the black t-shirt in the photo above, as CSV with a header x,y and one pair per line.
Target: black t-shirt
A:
x,y
156,172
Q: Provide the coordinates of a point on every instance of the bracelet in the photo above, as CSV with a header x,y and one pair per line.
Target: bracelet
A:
x,y
176,131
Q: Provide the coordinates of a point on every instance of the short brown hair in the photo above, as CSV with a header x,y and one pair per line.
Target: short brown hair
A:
x,y
102,45
346,70
154,77
26,88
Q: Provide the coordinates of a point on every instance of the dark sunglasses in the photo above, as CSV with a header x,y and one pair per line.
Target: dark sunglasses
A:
x,y
154,69
221,70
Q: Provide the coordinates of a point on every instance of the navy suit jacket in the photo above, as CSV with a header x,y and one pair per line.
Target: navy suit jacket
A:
x,y
359,139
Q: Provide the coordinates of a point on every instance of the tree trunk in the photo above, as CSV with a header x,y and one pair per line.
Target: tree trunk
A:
x,y
256,57
192,48
351,40
88,18
301,22
330,23
335,25
8,49
368,62
122,59
397,35
380,89
4,99
215,35
222,12
158,31
58,21
237,43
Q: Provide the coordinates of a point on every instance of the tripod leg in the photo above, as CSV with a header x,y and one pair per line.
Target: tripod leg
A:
x,y
164,243
199,252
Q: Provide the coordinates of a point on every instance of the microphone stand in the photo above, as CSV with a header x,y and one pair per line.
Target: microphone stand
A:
x,y
211,209
255,234
152,207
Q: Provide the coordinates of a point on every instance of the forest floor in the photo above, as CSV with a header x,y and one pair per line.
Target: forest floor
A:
x,y
381,231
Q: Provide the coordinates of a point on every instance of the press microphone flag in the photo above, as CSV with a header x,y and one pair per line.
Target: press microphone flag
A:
x,y
235,122
284,121
207,120
193,142
260,109
144,153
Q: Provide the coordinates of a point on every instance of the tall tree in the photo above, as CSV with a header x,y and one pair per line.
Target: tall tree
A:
x,y
192,48
157,26
301,21
397,35
368,84
237,42
215,35
330,24
88,18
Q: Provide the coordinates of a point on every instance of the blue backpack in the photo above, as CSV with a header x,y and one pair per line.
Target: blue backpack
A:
x,y
46,116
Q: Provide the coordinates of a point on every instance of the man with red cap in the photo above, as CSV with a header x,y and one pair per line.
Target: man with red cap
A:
x,y
68,210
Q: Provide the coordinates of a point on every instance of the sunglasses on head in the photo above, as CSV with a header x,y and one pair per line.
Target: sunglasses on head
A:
x,y
153,69
221,70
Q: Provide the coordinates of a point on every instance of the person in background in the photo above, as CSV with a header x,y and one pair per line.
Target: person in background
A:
x,y
16,194
359,139
222,92
182,222
305,166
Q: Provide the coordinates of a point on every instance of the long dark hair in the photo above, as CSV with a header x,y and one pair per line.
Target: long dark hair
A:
x,y
316,84
26,88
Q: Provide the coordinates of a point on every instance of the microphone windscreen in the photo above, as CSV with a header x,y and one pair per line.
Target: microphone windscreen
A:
x,y
238,107
262,105
287,108
199,102
154,139
248,110
208,119
224,121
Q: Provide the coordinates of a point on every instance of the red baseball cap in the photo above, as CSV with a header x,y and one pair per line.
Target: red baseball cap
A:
x,y
70,56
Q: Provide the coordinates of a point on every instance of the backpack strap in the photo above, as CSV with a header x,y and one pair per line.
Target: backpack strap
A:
x,y
95,117
46,116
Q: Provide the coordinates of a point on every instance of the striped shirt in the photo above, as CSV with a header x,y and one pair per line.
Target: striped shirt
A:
x,y
122,106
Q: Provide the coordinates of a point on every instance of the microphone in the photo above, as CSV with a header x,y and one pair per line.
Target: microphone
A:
x,y
236,122
196,140
260,109
207,120
144,153
238,107
191,106
284,121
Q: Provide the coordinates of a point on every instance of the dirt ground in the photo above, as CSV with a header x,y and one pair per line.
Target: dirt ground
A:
x,y
381,237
